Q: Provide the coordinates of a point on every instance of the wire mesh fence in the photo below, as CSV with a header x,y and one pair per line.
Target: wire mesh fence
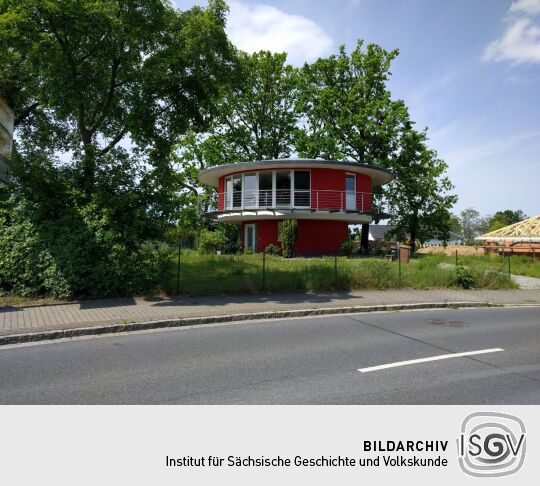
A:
x,y
212,274
196,274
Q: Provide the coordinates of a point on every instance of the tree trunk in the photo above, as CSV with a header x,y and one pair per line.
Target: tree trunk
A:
x,y
414,224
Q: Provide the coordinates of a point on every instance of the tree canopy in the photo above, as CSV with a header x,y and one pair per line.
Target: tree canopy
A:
x,y
418,198
348,109
504,218
102,89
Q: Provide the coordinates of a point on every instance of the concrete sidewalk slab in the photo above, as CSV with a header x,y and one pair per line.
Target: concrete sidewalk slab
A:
x,y
109,312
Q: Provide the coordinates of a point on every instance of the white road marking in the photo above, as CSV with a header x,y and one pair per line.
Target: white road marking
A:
x,y
431,358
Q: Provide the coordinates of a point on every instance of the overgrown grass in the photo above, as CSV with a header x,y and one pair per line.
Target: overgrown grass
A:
x,y
226,274
519,264
241,274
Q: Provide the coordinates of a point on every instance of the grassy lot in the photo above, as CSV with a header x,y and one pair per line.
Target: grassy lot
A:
x,y
519,265
236,274
213,274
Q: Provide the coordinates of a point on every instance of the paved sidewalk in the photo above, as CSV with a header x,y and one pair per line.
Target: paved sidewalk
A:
x,y
25,319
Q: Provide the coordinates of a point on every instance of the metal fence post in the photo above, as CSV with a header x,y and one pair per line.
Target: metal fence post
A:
x,y
456,258
263,269
399,267
178,270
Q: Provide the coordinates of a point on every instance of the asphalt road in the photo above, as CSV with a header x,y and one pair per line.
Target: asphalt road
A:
x,y
296,361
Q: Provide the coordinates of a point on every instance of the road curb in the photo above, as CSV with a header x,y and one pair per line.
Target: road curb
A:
x,y
194,321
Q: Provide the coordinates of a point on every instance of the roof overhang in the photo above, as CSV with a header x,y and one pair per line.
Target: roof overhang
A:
x,y
238,216
378,174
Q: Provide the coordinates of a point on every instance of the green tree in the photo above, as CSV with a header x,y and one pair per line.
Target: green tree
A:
x,y
256,119
349,114
348,109
472,224
418,197
454,224
504,218
102,89
288,231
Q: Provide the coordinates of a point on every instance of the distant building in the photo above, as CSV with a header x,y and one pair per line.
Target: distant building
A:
x,y
453,239
377,232
521,238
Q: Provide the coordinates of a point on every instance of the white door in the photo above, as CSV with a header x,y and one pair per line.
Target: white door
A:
x,y
350,192
250,237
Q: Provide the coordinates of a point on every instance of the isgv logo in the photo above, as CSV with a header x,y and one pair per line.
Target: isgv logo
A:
x,y
491,444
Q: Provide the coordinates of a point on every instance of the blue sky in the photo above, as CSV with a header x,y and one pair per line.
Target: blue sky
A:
x,y
469,70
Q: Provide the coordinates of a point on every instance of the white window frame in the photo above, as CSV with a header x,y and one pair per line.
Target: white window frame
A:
x,y
292,205
347,174
293,189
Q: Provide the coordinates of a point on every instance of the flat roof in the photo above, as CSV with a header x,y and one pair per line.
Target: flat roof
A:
x,y
378,174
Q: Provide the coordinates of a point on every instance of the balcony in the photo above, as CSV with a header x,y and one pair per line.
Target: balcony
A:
x,y
293,200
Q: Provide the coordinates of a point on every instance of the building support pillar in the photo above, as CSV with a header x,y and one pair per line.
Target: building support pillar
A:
x,y
364,238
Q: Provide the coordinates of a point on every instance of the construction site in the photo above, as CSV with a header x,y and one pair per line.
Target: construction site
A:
x,y
521,238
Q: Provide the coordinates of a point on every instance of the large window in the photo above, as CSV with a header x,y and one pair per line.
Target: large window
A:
x,y
233,192
283,188
350,191
265,189
302,193
250,190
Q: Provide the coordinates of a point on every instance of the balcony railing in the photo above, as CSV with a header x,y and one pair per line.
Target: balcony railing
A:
x,y
319,200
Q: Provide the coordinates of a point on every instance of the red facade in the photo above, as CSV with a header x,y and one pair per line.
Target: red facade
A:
x,y
315,237
327,189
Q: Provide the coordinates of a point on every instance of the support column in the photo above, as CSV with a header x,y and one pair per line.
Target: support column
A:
x,y
364,241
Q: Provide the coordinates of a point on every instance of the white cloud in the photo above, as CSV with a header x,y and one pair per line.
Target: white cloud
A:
x,y
489,148
529,7
256,27
521,40
519,43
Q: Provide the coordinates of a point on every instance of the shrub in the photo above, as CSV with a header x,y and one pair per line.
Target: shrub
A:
x,y
212,241
271,250
288,231
464,277
80,254
27,267
347,246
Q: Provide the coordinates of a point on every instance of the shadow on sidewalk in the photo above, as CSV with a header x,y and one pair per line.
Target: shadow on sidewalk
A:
x,y
278,298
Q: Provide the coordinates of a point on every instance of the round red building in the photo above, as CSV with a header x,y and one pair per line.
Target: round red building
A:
x,y
325,196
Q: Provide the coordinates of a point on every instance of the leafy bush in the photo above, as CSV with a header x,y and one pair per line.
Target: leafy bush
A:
x,y
27,267
288,231
80,254
271,250
464,277
212,241
347,246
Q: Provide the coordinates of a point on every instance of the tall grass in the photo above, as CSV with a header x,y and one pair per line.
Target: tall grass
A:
x,y
519,264
229,274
